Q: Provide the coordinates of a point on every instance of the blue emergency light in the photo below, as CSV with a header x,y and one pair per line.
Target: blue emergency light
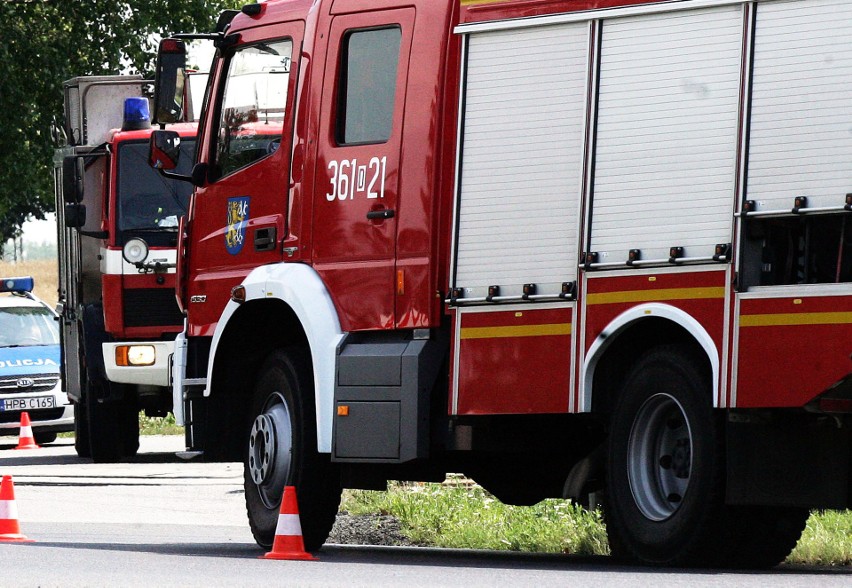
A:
x,y
136,114
17,284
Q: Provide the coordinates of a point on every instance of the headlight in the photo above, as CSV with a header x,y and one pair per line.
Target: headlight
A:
x,y
135,250
134,355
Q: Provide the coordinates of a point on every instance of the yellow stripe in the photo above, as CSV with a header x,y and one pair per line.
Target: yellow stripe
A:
x,y
801,318
655,295
515,331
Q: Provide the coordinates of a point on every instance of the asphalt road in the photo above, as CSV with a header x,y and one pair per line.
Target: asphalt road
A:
x,y
160,521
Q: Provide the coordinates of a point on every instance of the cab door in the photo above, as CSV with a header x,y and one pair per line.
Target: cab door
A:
x,y
358,162
240,214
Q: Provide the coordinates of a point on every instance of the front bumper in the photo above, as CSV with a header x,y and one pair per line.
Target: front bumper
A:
x,y
59,419
156,374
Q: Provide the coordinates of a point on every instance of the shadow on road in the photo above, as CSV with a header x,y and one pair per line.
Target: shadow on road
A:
x,y
425,556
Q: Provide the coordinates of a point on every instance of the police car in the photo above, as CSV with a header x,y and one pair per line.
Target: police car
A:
x,y
29,364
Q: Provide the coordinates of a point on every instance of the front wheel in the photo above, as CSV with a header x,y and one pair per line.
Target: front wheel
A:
x,y
113,426
81,431
281,451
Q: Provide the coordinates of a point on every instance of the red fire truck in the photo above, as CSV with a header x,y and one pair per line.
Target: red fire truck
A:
x,y
561,247
118,223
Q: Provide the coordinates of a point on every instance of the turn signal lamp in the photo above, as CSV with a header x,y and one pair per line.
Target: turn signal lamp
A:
x,y
135,355
25,284
137,114
238,294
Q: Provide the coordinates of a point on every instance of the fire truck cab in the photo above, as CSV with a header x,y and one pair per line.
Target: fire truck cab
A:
x,y
117,224
561,247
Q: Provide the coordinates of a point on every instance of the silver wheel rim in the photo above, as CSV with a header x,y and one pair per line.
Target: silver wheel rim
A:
x,y
659,457
271,450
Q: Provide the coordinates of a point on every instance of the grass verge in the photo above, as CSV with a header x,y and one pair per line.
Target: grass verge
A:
x,y
466,516
151,426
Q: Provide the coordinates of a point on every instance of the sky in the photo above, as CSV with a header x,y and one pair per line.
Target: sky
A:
x,y
44,231
40,231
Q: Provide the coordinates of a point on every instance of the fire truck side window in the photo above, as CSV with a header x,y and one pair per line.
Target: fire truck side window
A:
x,y
367,86
253,105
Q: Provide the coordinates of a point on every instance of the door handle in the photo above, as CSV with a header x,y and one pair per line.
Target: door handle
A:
x,y
264,239
380,214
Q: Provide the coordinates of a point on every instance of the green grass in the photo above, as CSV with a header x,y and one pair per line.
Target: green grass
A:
x,y
151,426
159,426
827,540
466,516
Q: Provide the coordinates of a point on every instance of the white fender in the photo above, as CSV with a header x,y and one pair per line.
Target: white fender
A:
x,y
301,288
626,319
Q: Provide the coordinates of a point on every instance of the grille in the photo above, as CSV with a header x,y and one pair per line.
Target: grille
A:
x,y
151,307
14,416
41,383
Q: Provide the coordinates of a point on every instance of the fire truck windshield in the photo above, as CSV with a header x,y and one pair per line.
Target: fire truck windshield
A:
x,y
146,201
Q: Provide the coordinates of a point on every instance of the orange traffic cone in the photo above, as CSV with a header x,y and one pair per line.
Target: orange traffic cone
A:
x,y
25,438
288,543
9,528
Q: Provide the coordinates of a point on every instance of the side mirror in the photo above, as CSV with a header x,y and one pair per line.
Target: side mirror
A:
x,y
170,81
75,215
72,179
164,150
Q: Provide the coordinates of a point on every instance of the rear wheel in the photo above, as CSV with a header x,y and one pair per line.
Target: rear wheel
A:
x,y
281,451
666,476
764,536
665,473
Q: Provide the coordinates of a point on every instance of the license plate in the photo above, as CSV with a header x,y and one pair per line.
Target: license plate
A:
x,y
27,403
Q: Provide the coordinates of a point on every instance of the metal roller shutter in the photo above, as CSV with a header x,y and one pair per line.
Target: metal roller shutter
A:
x,y
667,133
801,123
523,137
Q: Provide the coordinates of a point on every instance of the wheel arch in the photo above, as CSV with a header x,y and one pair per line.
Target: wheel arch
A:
x,y
287,305
617,347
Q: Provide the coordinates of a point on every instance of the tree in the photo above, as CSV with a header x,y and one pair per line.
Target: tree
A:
x,y
46,42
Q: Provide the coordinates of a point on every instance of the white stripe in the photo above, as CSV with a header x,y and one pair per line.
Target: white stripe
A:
x,y
26,431
288,524
8,509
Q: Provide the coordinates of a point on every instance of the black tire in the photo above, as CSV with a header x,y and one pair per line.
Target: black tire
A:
x,y
113,426
763,536
81,431
105,440
129,429
281,451
44,438
665,472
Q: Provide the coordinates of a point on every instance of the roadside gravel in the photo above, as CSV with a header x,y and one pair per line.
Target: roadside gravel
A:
x,y
367,530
